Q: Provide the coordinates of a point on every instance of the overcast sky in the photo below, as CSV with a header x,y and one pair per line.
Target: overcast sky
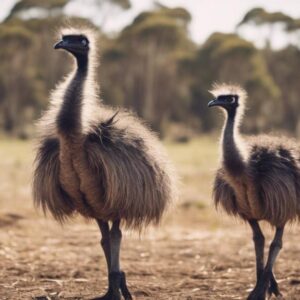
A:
x,y
208,15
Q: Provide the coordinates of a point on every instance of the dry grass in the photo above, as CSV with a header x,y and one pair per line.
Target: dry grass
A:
x,y
15,176
195,254
196,162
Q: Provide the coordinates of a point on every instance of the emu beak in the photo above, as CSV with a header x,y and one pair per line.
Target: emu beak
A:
x,y
214,102
59,45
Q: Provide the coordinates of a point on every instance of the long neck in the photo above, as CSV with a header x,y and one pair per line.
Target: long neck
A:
x,y
233,160
69,116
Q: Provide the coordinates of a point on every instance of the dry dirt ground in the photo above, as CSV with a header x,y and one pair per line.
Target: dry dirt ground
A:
x,y
195,254
39,258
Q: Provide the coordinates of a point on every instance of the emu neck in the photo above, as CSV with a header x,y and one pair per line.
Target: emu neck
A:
x,y
232,157
69,117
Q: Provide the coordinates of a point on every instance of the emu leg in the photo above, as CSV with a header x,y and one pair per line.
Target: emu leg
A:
x,y
118,277
259,243
111,244
105,244
259,293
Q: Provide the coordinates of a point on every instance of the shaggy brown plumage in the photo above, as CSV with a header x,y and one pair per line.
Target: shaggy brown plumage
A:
x,y
259,179
113,167
97,161
271,185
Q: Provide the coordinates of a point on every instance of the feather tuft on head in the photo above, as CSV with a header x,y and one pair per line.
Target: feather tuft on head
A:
x,y
228,89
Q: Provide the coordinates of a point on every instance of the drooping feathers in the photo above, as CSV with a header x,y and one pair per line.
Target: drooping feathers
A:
x,y
271,188
112,167
260,176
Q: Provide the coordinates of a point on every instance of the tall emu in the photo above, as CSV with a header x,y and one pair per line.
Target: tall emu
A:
x,y
98,162
258,180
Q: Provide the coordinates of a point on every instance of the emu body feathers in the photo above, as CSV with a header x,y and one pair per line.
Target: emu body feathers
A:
x,y
270,187
112,167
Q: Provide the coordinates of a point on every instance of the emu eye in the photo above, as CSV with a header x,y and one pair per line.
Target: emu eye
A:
x,y
84,42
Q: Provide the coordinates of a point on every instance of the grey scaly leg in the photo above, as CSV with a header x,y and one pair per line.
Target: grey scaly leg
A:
x,y
259,243
115,271
105,244
111,244
259,293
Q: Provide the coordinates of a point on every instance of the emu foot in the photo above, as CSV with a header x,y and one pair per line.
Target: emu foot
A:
x,y
257,295
123,286
109,296
274,289
117,284
266,281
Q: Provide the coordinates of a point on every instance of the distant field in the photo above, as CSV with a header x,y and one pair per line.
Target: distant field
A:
x,y
195,162
16,159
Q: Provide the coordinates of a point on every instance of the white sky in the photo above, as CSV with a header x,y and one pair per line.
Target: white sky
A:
x,y
208,15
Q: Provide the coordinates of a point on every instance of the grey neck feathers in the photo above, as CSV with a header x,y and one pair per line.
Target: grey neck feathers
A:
x,y
69,117
233,160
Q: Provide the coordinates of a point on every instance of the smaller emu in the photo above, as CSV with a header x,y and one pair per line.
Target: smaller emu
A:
x,y
258,180
101,163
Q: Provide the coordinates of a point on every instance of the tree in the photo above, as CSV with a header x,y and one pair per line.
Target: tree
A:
x,y
229,58
148,52
284,66
259,16
47,8
16,78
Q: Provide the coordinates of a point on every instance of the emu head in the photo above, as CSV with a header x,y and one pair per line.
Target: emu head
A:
x,y
228,97
76,44
226,101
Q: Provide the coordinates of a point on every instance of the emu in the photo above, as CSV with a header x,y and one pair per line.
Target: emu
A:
x,y
259,179
101,163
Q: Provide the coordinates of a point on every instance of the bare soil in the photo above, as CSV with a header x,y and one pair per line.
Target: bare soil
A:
x,y
182,259
195,254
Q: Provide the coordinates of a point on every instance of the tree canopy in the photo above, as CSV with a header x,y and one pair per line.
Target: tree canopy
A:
x,y
151,66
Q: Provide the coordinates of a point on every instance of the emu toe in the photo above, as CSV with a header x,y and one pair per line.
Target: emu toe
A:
x,y
257,295
274,291
123,286
110,295
117,286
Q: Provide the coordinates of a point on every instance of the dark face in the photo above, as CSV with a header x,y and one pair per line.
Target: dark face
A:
x,y
228,102
75,44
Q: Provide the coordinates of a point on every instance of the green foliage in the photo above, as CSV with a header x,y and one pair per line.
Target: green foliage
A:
x,y
221,45
47,5
152,67
229,58
293,25
125,4
15,35
166,26
259,16
143,62
284,66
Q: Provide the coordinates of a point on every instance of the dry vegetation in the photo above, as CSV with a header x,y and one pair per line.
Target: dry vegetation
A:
x,y
195,254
